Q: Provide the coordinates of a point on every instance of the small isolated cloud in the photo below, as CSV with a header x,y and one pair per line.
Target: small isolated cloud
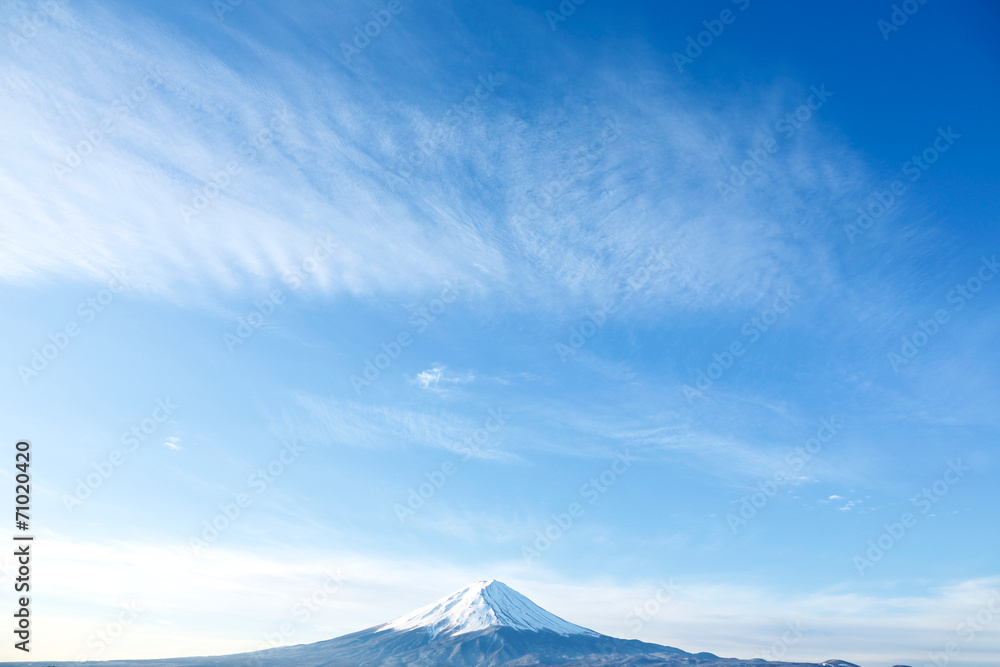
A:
x,y
429,377
172,443
851,504
434,378
847,506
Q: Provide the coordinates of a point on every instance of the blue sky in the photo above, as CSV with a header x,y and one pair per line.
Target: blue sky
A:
x,y
604,285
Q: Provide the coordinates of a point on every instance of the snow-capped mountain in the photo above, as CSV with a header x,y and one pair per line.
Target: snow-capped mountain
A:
x,y
485,624
482,605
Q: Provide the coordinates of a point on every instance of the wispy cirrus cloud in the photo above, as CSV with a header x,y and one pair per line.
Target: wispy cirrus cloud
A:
x,y
354,424
636,170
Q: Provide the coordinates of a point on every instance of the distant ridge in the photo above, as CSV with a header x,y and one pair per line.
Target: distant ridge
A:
x,y
485,624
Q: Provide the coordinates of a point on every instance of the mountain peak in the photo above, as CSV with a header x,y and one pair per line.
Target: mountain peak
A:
x,y
480,605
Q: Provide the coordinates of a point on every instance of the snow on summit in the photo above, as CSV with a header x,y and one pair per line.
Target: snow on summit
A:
x,y
482,605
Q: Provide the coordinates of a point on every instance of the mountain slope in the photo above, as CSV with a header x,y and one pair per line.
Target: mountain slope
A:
x,y
486,624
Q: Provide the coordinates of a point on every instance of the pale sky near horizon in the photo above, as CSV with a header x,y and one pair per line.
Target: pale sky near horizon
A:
x,y
589,300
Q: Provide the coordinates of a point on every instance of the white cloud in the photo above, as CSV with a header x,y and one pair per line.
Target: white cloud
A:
x,y
432,378
324,173
122,206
